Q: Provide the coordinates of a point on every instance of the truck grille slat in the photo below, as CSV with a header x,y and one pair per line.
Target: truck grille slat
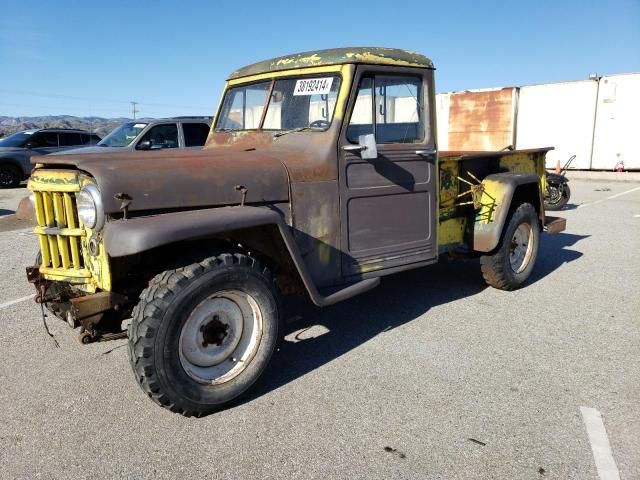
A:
x,y
69,208
59,231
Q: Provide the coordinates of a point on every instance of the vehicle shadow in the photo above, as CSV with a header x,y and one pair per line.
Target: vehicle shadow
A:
x,y
399,299
554,253
568,206
326,334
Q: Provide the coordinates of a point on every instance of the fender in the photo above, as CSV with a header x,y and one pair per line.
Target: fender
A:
x,y
556,179
497,197
131,236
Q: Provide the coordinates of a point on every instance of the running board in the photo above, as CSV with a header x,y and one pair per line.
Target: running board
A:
x,y
347,292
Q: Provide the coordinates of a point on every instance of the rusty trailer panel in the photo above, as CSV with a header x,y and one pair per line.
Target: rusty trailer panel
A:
x,y
482,120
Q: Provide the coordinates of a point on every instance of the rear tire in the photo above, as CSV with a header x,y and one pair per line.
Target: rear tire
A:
x,y
511,263
10,176
203,334
558,197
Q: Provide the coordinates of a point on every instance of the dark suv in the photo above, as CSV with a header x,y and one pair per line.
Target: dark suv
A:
x,y
157,134
16,150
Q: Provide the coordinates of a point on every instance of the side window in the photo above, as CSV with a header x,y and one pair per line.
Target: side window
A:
x,y
89,139
398,105
398,109
45,139
195,134
68,139
162,136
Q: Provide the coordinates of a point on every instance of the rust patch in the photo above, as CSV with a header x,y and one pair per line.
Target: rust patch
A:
x,y
481,121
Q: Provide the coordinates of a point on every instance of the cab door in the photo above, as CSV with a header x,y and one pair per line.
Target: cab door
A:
x,y
388,203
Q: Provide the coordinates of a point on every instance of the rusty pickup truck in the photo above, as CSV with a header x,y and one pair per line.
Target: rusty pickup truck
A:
x,y
320,175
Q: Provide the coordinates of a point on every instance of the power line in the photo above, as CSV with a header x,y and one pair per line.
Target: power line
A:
x,y
89,99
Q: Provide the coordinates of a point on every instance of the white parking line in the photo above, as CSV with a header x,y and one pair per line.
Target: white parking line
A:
x,y
17,300
626,192
623,193
606,466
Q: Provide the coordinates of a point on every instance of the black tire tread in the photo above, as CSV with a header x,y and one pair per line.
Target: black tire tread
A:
x,y
493,266
147,315
17,174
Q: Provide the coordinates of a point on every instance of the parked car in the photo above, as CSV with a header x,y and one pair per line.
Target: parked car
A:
x,y
16,150
177,132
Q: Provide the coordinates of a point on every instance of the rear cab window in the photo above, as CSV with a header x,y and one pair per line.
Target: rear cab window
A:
x,y
195,134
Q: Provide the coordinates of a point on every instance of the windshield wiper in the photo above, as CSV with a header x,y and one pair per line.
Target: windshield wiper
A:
x,y
299,129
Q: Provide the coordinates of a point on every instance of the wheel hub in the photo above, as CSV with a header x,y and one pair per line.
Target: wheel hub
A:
x,y
214,332
220,337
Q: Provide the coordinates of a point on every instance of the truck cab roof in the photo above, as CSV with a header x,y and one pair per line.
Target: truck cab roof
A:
x,y
336,56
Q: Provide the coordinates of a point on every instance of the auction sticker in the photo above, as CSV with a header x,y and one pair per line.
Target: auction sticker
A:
x,y
313,86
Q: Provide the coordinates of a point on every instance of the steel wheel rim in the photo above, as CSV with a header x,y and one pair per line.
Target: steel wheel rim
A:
x,y
220,337
521,248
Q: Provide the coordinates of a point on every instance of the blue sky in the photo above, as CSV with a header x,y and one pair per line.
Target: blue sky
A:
x,y
80,58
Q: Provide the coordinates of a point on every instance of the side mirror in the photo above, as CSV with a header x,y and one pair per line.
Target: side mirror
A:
x,y
144,145
31,145
366,146
369,150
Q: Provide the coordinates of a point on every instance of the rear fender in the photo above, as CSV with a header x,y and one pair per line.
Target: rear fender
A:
x,y
502,191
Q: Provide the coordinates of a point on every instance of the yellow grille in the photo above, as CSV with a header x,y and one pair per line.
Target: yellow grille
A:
x,y
60,234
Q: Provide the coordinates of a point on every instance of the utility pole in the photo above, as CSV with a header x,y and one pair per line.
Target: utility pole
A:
x,y
134,109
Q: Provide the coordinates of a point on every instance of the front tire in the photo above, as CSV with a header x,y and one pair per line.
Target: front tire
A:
x,y
511,263
202,335
10,176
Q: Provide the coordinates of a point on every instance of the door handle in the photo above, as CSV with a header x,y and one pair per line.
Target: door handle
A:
x,y
354,148
426,153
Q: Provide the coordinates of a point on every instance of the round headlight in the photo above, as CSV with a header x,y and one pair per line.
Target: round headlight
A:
x,y
89,206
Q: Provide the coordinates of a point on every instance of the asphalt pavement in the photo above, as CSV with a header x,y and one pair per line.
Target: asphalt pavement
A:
x,y
430,375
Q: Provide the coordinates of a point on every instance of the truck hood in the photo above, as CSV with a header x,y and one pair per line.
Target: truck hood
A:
x,y
180,179
92,149
9,150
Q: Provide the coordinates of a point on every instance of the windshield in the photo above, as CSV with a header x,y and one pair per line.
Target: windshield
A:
x,y
293,104
16,140
123,135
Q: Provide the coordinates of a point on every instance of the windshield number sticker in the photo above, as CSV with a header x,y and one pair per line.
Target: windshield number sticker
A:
x,y
313,86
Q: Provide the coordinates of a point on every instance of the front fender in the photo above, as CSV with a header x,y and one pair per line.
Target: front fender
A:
x,y
497,198
136,235
127,237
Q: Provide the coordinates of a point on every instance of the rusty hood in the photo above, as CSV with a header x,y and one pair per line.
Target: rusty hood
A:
x,y
172,179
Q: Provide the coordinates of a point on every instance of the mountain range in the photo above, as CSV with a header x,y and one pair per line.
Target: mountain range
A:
x,y
99,125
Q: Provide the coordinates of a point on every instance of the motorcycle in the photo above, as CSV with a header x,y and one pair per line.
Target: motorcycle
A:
x,y
558,191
